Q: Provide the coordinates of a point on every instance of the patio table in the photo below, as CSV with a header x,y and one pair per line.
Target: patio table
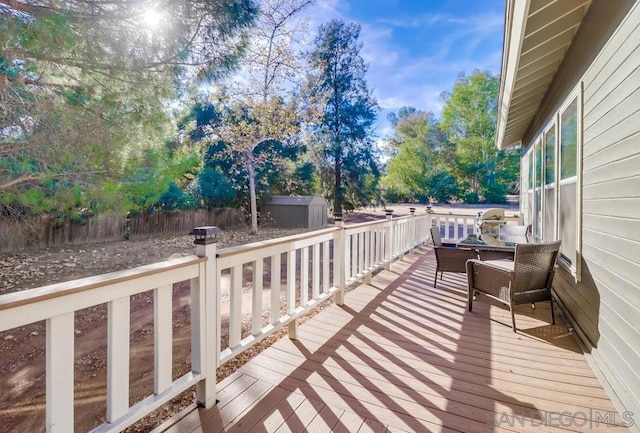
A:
x,y
495,243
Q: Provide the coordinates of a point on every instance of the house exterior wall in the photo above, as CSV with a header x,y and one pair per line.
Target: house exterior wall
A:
x,y
602,297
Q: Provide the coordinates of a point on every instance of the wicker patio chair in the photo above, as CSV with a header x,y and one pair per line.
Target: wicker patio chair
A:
x,y
449,258
526,280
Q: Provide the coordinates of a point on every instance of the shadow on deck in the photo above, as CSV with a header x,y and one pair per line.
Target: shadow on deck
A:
x,y
402,356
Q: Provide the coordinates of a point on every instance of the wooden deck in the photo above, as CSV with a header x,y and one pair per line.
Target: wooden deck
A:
x,y
401,356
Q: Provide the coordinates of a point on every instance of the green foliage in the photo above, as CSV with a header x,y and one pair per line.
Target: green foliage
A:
x,y
468,121
214,189
420,169
84,87
147,177
175,198
304,180
338,88
442,186
471,197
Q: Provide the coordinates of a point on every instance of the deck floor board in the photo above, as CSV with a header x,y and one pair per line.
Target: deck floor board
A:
x,y
403,356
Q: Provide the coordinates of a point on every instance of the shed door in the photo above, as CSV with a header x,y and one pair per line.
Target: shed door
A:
x,y
314,216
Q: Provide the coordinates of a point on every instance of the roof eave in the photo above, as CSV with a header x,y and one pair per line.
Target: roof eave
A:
x,y
516,15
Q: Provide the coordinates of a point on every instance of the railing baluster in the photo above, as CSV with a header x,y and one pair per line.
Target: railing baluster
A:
x,y
276,262
235,306
291,281
291,293
118,358
315,283
163,338
367,250
346,254
325,267
59,373
379,245
361,249
355,251
304,276
256,297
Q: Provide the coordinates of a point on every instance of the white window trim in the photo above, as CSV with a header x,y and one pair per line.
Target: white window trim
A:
x,y
575,269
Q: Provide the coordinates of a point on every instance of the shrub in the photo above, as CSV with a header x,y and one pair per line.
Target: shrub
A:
x,y
471,197
175,198
215,189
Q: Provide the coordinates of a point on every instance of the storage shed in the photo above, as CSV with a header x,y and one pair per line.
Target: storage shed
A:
x,y
295,211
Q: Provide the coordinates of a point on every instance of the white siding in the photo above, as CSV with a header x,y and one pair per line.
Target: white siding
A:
x,y
605,305
611,192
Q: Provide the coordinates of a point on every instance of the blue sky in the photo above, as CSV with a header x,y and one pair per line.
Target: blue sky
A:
x,y
417,48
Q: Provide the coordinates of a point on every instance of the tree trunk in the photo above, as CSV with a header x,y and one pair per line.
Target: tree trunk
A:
x,y
252,192
337,196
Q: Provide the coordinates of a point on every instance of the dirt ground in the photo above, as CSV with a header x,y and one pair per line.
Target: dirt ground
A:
x,y
22,354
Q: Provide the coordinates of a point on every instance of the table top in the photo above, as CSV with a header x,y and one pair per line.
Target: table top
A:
x,y
494,243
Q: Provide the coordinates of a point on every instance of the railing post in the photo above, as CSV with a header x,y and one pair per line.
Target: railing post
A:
x,y
428,224
338,258
368,256
412,230
205,327
388,256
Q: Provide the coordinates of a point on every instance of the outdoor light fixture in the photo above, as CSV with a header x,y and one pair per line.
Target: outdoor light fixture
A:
x,y
205,235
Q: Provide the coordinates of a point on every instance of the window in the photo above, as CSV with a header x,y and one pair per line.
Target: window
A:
x,y
552,181
527,187
568,182
550,156
568,141
549,221
537,221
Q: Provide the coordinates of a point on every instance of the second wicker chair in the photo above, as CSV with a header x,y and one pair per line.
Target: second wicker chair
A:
x,y
526,280
449,258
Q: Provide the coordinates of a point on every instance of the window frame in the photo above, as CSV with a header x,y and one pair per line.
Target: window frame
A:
x,y
537,155
553,126
555,122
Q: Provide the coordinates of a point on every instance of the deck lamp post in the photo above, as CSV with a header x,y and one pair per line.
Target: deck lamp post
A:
x,y
205,235
412,229
205,311
339,266
388,243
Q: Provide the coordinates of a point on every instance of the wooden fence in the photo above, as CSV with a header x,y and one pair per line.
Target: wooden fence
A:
x,y
46,231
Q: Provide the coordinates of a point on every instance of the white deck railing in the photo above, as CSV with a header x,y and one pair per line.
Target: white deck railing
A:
x,y
284,278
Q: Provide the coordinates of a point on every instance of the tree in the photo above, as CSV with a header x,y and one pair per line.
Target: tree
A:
x,y
343,135
262,108
418,169
280,170
468,120
83,85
